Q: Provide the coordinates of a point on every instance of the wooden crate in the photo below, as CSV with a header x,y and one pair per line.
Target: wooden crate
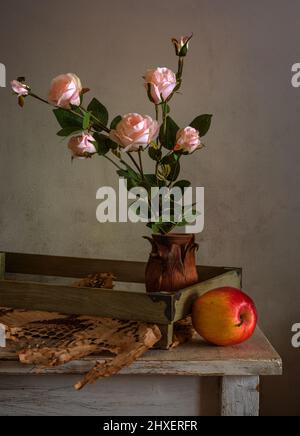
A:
x,y
28,282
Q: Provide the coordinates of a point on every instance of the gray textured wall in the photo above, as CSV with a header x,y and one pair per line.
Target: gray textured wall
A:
x,y
239,70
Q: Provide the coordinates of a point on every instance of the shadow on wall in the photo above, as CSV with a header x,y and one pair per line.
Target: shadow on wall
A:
x,y
286,386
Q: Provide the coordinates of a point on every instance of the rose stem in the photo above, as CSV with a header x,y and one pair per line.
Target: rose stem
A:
x,y
114,163
135,164
156,112
57,107
71,111
141,163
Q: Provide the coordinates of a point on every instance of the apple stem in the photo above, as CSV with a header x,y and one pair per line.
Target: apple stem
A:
x,y
242,318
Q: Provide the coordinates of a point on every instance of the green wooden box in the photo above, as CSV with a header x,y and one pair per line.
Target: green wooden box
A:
x,y
35,282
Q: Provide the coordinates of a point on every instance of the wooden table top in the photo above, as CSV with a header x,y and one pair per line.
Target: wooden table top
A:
x,y
196,358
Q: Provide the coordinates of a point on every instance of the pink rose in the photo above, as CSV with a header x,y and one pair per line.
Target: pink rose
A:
x,y
161,83
65,90
19,88
188,140
135,131
82,146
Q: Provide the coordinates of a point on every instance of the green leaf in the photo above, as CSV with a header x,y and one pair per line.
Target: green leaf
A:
x,y
169,139
175,172
133,179
202,124
66,118
182,184
151,181
172,162
162,228
192,214
167,227
99,111
86,121
112,145
115,122
68,131
102,143
155,153
167,108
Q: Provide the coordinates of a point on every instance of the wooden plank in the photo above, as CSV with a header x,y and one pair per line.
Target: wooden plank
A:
x,y
117,396
196,358
73,267
209,272
155,308
185,300
78,268
240,396
212,368
86,301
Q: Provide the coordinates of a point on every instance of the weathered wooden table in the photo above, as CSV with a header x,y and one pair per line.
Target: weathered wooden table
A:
x,y
194,379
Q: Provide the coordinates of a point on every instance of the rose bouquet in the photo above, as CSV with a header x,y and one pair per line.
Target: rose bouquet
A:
x,y
125,140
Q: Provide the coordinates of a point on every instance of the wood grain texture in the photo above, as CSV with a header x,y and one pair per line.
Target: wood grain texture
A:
x,y
160,308
118,396
196,358
240,396
86,301
81,267
73,267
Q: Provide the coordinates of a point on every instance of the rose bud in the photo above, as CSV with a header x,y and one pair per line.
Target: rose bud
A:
x,y
82,146
65,90
135,131
160,84
188,140
182,45
19,88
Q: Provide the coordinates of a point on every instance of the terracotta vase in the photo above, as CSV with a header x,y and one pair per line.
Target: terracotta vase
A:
x,y
172,263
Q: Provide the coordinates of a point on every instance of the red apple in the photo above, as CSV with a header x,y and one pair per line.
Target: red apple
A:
x,y
224,316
